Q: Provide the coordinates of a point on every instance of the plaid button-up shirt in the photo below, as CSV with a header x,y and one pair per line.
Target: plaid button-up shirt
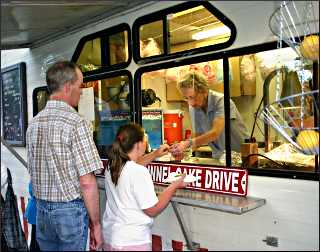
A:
x,y
60,149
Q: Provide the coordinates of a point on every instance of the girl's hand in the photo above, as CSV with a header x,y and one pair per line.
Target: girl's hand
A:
x,y
162,150
179,183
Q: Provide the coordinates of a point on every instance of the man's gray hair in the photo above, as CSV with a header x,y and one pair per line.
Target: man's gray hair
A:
x,y
194,80
59,74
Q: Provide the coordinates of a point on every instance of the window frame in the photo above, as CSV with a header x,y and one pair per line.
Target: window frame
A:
x,y
93,77
34,98
103,35
106,75
162,15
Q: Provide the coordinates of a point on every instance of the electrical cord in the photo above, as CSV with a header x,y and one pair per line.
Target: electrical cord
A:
x,y
256,116
267,81
261,131
281,165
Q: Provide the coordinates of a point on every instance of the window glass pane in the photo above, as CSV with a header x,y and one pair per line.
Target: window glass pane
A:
x,y
194,28
151,39
281,118
153,87
187,110
119,51
90,56
111,107
42,98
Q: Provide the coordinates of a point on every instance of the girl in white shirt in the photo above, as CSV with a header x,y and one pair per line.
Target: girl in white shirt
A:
x,y
131,199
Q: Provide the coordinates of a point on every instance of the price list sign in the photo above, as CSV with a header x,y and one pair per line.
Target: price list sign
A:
x,y
14,104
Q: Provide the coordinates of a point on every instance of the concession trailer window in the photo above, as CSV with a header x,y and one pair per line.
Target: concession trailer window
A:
x,y
253,85
190,27
106,50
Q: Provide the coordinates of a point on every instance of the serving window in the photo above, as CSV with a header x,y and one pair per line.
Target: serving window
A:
x,y
164,103
274,94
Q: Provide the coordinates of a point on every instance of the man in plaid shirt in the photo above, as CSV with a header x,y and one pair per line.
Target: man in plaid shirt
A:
x,y
62,157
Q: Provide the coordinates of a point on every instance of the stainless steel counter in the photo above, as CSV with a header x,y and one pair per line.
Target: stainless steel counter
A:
x,y
214,201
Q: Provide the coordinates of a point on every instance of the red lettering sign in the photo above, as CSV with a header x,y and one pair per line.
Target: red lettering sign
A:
x,y
224,180
232,181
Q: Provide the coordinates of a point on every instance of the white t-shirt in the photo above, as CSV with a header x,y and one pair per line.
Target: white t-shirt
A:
x,y
124,222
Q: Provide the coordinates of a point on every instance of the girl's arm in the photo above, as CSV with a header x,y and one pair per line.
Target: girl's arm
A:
x,y
165,197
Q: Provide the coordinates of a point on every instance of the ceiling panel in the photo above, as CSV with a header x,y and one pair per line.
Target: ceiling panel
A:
x,y
27,23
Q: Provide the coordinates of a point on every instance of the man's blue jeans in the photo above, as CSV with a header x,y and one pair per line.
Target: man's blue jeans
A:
x,y
62,226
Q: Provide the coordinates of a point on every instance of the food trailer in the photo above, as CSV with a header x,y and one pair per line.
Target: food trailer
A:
x,y
259,56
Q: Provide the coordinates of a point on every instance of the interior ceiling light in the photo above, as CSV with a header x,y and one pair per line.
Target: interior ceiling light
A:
x,y
222,30
188,11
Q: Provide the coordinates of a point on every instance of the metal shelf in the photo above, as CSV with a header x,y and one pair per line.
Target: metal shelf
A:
x,y
214,201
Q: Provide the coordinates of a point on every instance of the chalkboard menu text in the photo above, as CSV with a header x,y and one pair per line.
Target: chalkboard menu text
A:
x,y
14,104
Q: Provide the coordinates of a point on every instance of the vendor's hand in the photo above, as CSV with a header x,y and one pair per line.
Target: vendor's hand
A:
x,y
179,148
176,151
162,150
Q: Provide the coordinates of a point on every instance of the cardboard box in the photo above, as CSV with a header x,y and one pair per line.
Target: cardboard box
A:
x,y
213,70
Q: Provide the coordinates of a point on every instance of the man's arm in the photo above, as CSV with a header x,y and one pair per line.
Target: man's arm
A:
x,y
90,194
89,189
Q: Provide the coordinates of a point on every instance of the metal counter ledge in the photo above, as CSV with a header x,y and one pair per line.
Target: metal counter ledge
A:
x,y
220,202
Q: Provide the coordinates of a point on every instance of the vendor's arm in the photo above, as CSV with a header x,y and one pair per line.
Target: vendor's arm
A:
x,y
210,136
147,158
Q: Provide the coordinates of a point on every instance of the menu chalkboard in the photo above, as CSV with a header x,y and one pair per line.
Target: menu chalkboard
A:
x,y
14,104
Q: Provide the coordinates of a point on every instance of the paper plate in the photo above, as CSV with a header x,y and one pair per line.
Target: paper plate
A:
x,y
174,176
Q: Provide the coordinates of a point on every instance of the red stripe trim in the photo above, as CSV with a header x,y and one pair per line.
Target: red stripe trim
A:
x,y
177,245
25,224
156,243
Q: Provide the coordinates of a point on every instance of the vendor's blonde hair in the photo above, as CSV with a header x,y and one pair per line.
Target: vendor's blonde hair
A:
x,y
194,80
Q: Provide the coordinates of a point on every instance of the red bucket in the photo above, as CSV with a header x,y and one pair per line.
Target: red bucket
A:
x,y
172,120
